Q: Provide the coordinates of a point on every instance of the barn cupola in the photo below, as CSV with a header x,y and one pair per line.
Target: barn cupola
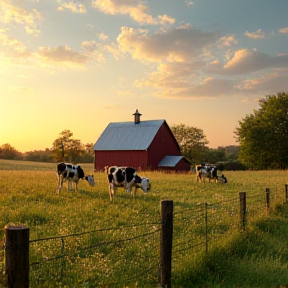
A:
x,y
137,117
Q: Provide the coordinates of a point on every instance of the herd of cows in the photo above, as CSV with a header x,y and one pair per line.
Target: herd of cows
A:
x,y
126,177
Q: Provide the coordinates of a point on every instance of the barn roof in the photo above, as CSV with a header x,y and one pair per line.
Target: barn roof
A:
x,y
170,161
128,135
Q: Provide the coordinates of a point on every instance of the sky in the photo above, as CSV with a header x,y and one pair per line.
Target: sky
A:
x,y
80,64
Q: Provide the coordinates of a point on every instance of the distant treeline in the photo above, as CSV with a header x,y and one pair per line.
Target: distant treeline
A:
x,y
224,157
48,155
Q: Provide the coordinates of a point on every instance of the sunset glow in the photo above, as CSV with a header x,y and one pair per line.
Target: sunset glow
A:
x,y
81,64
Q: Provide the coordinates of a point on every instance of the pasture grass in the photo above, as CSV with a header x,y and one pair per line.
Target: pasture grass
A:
x,y
257,257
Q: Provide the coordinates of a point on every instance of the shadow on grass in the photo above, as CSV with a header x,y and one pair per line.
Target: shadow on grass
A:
x,y
257,257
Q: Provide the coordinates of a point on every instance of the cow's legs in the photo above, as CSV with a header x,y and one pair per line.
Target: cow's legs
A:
x,y
134,193
69,185
198,177
129,187
60,182
76,186
111,191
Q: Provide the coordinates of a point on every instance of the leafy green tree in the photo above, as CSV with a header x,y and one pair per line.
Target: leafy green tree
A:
x,y
215,155
67,149
231,152
192,142
263,136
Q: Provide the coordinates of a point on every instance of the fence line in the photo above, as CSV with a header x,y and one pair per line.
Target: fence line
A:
x,y
102,256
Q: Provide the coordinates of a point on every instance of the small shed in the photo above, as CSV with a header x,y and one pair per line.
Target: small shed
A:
x,y
174,163
140,144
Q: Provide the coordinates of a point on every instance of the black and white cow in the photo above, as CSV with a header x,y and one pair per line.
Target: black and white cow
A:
x,y
125,177
204,171
72,173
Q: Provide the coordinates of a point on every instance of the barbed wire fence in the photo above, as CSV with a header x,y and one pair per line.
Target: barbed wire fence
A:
x,y
129,255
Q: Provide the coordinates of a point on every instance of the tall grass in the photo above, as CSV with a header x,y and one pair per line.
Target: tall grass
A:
x,y
29,196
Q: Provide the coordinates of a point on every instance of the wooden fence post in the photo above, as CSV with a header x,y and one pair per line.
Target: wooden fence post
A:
x,y
267,201
17,256
206,227
286,192
242,210
166,243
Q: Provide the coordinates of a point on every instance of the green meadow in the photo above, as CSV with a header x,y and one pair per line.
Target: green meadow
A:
x,y
83,240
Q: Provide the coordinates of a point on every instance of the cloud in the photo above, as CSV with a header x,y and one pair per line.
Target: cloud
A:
x,y
92,50
283,30
74,6
134,8
267,83
183,81
189,3
173,75
13,14
247,61
187,63
209,88
61,56
255,35
180,55
177,44
96,50
16,53
228,40
103,37
13,52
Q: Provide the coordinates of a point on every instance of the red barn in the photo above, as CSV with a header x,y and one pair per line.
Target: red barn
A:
x,y
146,145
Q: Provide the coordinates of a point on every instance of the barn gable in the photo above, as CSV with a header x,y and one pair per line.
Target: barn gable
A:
x,y
128,135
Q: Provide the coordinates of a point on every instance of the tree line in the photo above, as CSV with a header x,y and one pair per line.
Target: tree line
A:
x,y
262,138
64,148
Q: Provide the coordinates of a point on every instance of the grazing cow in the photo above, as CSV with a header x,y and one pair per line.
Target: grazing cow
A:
x,y
206,171
125,177
72,173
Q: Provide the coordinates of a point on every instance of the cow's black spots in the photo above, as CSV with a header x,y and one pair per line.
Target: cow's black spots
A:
x,y
110,178
72,173
125,177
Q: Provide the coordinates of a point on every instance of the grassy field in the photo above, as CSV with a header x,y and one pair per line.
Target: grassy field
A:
x,y
29,196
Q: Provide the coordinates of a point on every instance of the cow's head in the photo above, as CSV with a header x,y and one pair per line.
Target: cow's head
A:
x,y
223,178
145,185
90,180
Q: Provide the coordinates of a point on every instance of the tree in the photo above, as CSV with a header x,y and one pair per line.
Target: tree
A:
x,y
263,136
192,142
231,152
215,155
39,156
9,152
67,149
88,156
